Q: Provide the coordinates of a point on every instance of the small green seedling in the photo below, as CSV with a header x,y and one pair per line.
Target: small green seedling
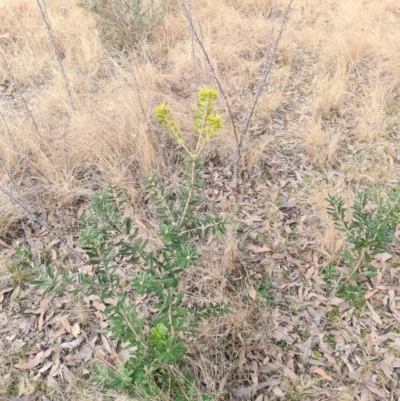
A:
x,y
370,230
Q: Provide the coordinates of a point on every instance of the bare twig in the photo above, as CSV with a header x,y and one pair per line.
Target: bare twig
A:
x,y
189,12
189,19
20,94
268,64
9,133
21,197
11,178
56,52
23,161
23,30
135,78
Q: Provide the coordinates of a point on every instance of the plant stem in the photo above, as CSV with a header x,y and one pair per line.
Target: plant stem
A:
x,y
138,339
190,194
165,204
170,321
203,228
356,267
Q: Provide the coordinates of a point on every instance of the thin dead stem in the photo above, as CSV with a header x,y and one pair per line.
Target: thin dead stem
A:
x,y
23,161
190,194
189,19
11,178
268,64
9,134
21,95
23,31
56,52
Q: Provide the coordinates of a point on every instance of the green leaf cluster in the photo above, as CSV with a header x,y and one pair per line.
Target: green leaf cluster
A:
x,y
21,265
264,289
369,230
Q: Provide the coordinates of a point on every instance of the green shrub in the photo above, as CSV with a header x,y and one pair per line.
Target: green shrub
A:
x,y
156,368
375,215
128,20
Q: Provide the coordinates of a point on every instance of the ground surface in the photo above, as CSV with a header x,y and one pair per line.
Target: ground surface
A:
x,y
328,122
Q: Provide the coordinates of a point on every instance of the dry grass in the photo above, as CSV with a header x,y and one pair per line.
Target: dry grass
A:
x,y
328,122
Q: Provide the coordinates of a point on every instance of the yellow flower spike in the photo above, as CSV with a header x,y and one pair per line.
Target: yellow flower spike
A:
x,y
164,115
206,123
209,94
